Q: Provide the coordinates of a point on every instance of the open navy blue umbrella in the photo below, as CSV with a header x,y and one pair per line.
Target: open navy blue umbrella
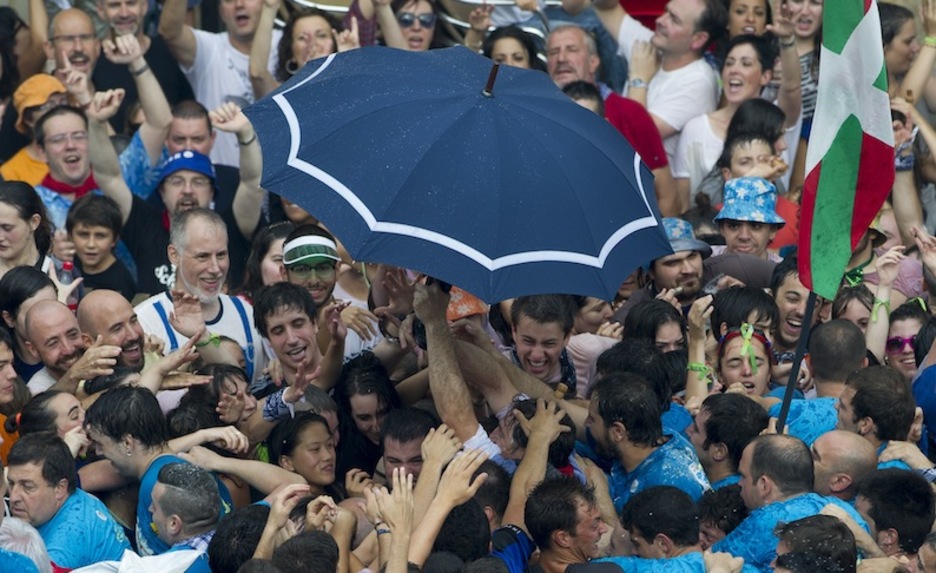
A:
x,y
421,160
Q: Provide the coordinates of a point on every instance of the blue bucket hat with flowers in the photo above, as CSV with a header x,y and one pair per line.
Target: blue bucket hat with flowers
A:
x,y
681,238
751,199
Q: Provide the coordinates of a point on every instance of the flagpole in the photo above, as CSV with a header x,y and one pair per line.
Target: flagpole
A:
x,y
797,360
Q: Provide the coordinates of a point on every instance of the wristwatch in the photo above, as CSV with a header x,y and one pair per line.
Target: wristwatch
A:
x,y
637,83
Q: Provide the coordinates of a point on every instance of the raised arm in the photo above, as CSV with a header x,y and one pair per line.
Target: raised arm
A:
x,y
249,196
260,475
389,27
542,430
790,97
261,79
887,266
101,152
33,57
177,34
914,82
126,50
452,400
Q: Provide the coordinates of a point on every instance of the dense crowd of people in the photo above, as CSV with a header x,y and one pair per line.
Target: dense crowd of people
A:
x,y
195,375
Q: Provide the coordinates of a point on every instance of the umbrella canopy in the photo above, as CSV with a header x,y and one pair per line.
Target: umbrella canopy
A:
x,y
409,161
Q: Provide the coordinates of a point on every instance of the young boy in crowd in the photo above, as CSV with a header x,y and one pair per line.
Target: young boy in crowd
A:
x,y
93,224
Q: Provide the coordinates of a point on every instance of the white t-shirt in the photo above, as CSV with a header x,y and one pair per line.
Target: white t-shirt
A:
x,y
230,322
675,96
697,152
220,74
41,381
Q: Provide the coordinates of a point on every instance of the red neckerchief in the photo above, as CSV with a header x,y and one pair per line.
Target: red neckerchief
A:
x,y
566,470
165,219
80,191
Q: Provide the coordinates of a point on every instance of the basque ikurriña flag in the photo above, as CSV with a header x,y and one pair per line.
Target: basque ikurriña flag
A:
x,y
850,162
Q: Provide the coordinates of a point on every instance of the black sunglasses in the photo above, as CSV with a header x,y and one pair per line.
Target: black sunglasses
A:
x,y
407,19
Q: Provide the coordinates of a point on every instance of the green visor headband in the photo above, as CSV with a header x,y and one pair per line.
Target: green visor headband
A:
x,y
303,249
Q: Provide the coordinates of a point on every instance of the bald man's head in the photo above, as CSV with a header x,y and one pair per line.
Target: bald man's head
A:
x,y
840,459
108,314
72,39
52,332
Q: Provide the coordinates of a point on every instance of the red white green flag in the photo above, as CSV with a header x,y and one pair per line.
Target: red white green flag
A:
x,y
850,162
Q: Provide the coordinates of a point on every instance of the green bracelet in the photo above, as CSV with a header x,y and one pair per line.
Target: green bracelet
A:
x,y
212,339
878,303
704,370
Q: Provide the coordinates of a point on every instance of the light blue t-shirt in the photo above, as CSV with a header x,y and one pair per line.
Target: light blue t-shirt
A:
x,y
754,539
82,533
671,464
148,542
688,563
809,419
726,481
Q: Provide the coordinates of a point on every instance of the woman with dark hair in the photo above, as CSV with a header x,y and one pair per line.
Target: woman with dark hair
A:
x,y
512,46
265,261
309,34
365,394
304,445
21,288
908,63
659,322
746,71
412,25
25,232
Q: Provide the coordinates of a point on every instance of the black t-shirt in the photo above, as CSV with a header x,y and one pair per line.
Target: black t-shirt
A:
x,y
115,277
11,140
147,239
174,84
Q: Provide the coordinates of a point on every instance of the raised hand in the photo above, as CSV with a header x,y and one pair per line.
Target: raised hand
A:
x,y
357,482
332,317
62,247
294,393
76,81
399,292
396,508
430,303
347,40
98,360
186,314
440,445
547,421
361,321
64,291
105,105
320,511
480,17
456,486
122,50
699,314
229,118
782,26
611,330
888,265
926,244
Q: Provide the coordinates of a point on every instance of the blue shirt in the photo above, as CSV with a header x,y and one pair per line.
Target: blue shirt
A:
x,y
726,481
513,546
676,419
148,542
141,176
16,563
82,533
893,464
670,464
754,539
688,563
809,419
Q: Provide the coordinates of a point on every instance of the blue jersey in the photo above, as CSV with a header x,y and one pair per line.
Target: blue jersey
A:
x,y
676,419
809,419
148,542
688,563
82,533
754,539
513,546
726,481
674,463
893,464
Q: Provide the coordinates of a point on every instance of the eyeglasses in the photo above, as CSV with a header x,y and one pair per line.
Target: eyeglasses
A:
x,y
407,19
322,271
896,344
60,139
73,39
